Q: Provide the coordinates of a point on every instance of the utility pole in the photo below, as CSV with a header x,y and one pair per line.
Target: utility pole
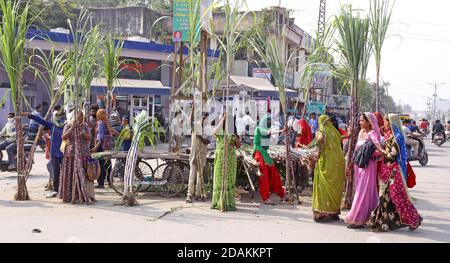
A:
x,y
322,15
435,97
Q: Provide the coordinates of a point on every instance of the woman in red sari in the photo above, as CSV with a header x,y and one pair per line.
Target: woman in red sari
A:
x,y
304,134
395,209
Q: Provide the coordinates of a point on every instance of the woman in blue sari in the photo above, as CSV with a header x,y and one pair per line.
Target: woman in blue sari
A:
x,y
395,209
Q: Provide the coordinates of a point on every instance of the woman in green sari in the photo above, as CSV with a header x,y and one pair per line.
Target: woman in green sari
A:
x,y
223,197
329,173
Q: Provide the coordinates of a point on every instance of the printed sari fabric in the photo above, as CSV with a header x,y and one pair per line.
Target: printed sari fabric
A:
x,y
393,189
329,173
225,202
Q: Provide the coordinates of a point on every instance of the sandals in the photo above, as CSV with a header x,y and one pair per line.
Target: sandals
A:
x,y
268,202
189,200
420,223
355,226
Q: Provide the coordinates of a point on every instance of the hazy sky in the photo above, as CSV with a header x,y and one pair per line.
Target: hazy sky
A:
x,y
417,51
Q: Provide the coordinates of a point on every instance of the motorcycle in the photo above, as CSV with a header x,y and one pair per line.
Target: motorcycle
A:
x,y
4,164
423,154
439,139
424,132
447,134
30,136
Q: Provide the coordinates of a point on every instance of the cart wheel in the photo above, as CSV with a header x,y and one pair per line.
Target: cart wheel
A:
x,y
173,174
117,176
144,172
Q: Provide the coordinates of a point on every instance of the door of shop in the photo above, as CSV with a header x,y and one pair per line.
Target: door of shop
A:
x,y
139,104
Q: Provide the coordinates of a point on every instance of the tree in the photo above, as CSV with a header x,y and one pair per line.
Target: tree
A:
x,y
380,19
15,22
356,48
83,58
48,68
111,65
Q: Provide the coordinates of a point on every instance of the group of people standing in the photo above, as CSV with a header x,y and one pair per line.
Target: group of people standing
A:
x,y
225,164
71,140
381,200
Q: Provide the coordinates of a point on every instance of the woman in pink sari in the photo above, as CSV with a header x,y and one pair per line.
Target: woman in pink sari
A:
x,y
366,193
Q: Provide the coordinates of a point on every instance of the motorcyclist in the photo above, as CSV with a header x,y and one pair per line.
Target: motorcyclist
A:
x,y
9,133
438,128
415,127
409,138
423,125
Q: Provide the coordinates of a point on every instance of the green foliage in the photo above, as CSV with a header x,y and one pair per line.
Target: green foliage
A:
x,y
15,22
48,67
354,45
83,58
145,129
380,19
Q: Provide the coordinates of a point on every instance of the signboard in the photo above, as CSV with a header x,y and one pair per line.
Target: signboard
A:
x,y
317,107
321,80
338,101
181,20
263,73
181,23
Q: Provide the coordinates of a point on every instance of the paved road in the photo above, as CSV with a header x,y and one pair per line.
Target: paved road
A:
x,y
107,222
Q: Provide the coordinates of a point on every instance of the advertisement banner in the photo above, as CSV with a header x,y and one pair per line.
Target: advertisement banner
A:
x,y
263,73
181,23
317,107
321,80
181,9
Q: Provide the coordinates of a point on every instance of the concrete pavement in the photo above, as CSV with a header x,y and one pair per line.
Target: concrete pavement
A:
x,y
108,222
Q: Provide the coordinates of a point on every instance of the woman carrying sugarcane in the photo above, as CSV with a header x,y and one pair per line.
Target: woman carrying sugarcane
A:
x,y
223,197
269,180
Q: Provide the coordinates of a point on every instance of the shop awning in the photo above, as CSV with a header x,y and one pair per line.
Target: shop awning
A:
x,y
130,87
260,87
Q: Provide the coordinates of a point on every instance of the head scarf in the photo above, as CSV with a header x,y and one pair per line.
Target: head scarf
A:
x,y
380,121
306,137
326,127
329,174
261,139
374,123
101,115
399,137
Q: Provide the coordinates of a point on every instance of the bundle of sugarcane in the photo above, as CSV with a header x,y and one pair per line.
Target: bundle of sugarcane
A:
x,y
246,157
278,154
307,156
143,131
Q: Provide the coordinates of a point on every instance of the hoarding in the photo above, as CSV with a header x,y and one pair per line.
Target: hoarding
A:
x,y
317,107
263,73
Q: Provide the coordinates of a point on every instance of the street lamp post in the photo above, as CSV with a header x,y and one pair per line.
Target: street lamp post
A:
x,y
435,96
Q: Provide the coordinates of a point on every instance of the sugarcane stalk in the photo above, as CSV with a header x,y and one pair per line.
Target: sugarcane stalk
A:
x,y
22,191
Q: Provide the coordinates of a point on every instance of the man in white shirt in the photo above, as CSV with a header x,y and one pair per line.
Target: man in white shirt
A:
x,y
413,143
244,124
9,135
